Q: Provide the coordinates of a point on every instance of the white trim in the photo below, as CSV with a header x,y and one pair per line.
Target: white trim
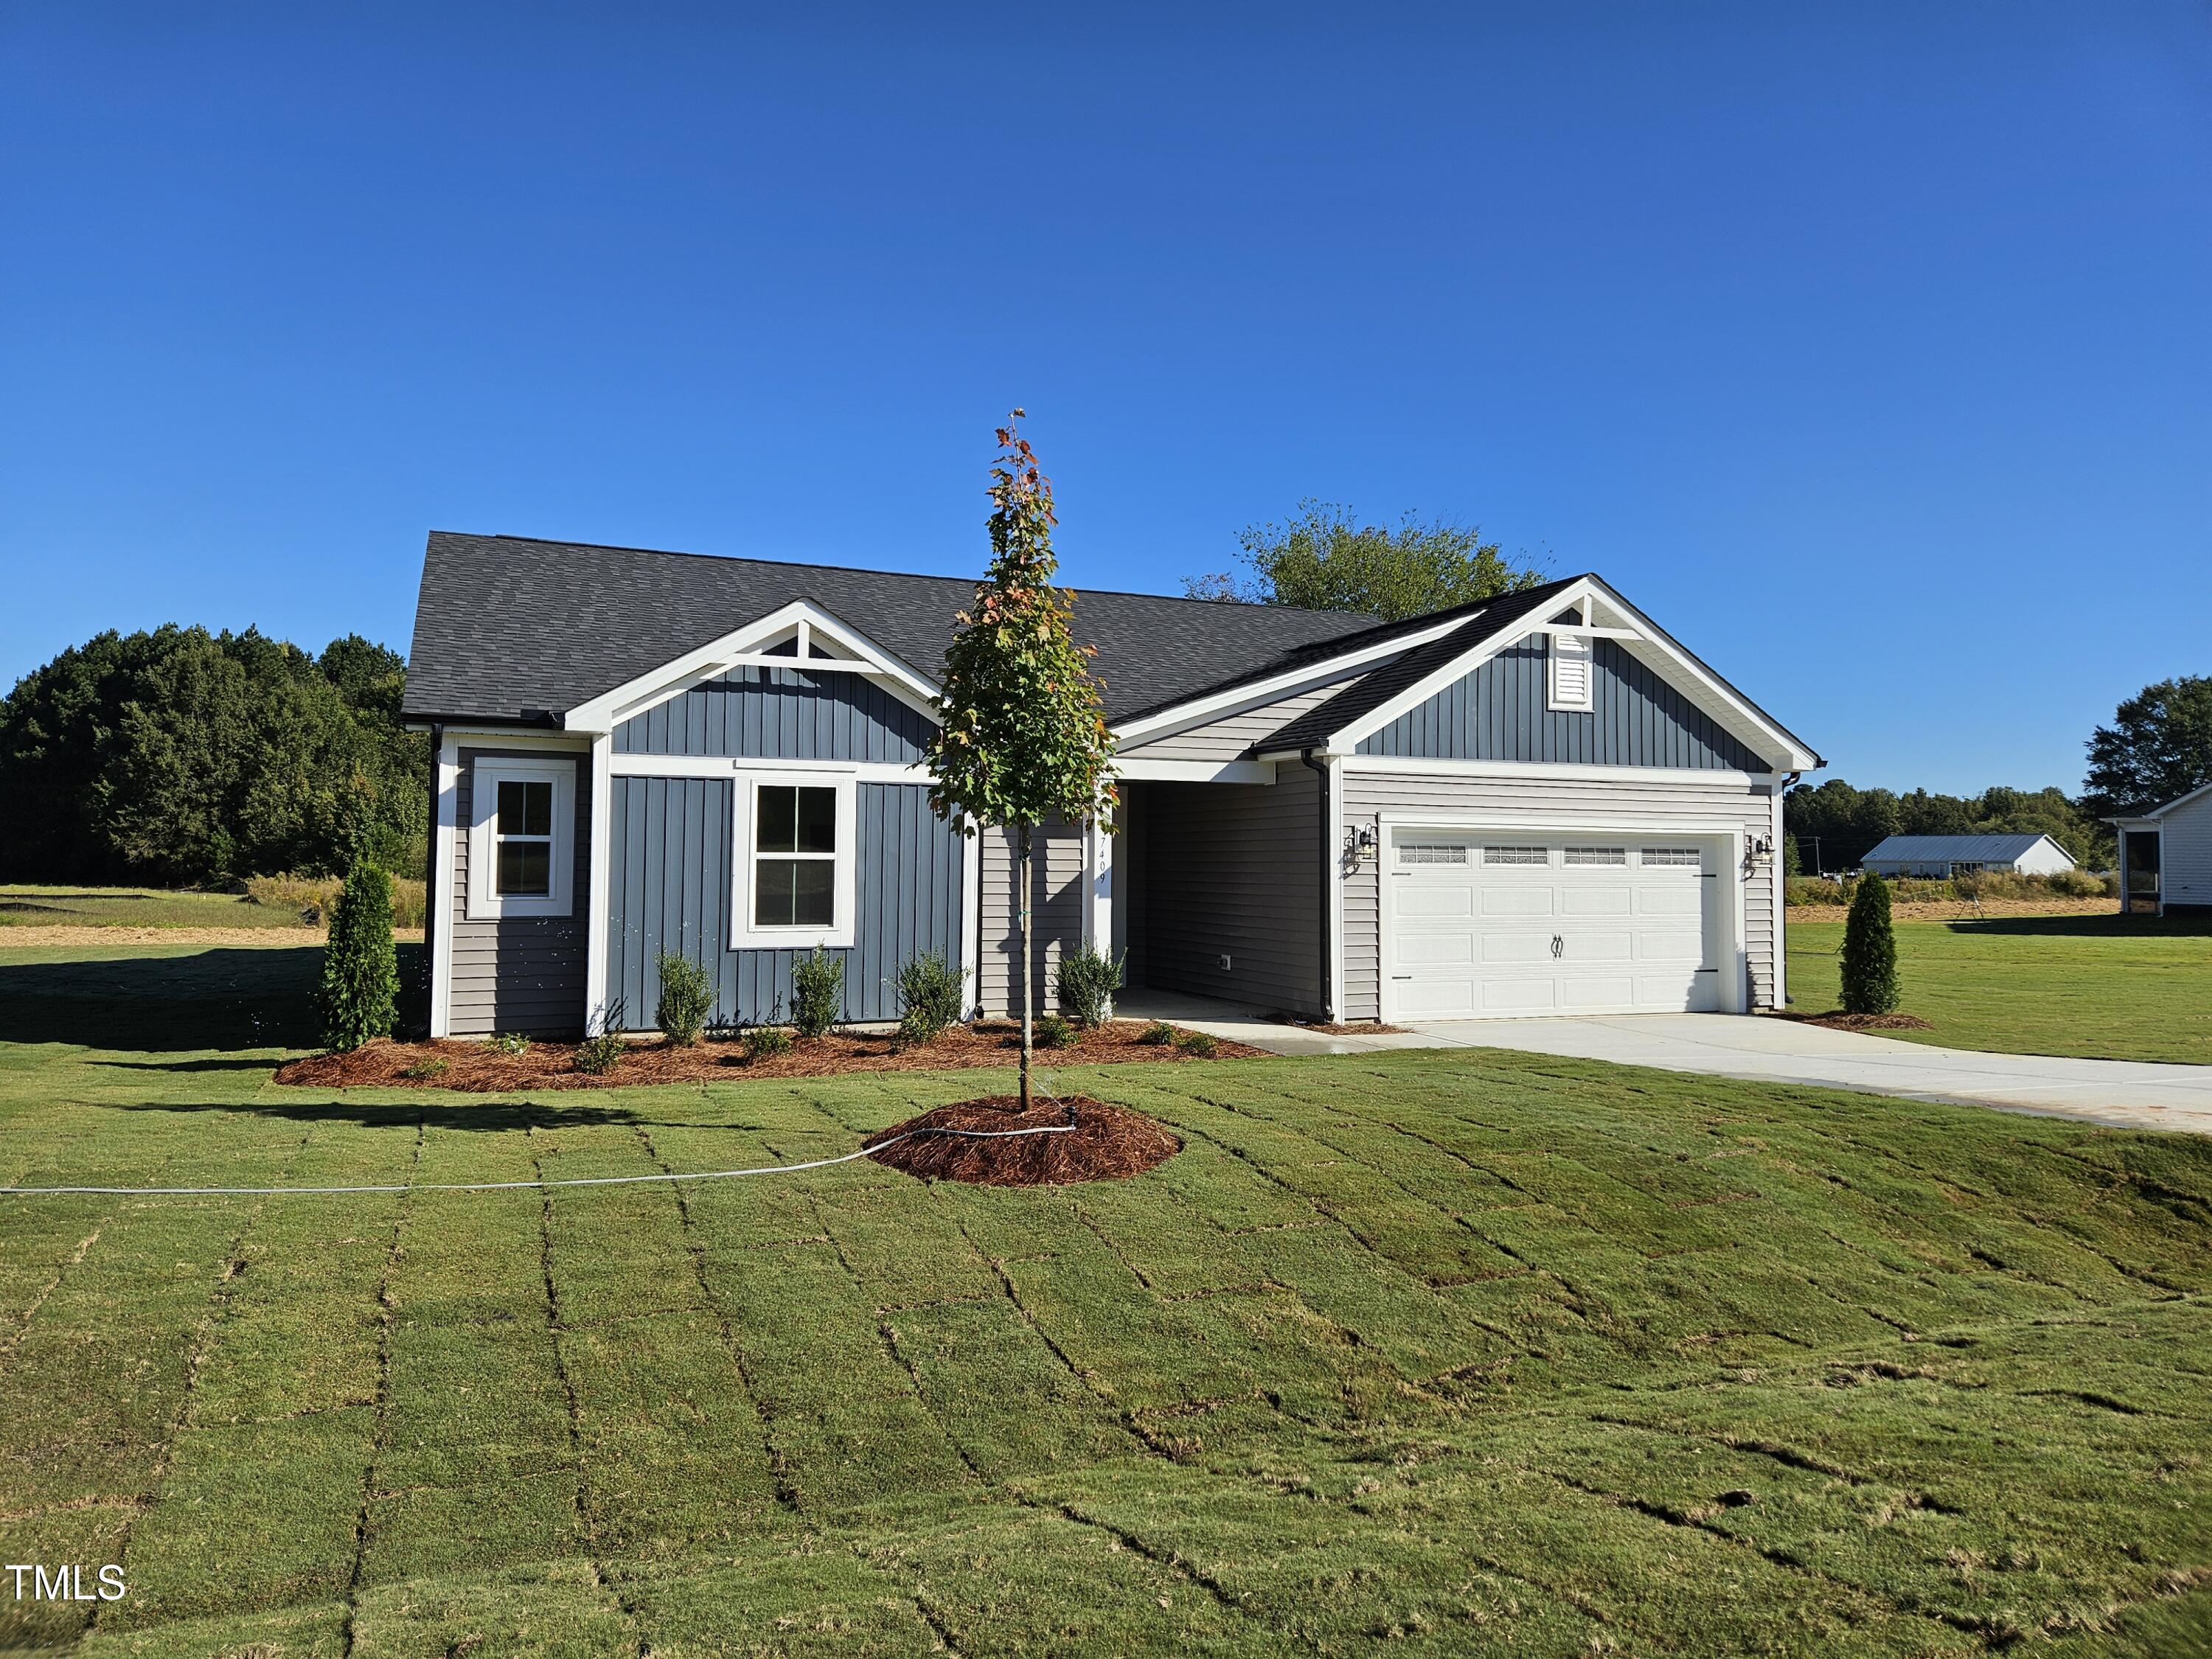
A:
x,y
1098,886
441,953
728,766
1731,949
844,862
1721,777
599,908
1199,711
2157,813
1195,771
485,902
1781,909
609,708
971,920
1746,721
516,738
1332,853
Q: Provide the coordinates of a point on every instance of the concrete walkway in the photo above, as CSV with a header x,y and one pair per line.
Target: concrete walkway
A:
x,y
2131,1094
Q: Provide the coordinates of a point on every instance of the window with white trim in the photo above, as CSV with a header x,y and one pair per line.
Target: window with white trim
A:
x,y
1413,851
1570,673
1517,856
522,842
1608,855
792,884
1683,858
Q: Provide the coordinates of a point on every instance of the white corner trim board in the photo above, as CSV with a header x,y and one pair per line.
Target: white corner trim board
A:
x,y
441,896
598,899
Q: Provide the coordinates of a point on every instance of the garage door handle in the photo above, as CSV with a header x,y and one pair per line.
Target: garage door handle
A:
x,y
1559,946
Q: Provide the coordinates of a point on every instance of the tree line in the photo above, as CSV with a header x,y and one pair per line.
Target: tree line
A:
x,y
185,757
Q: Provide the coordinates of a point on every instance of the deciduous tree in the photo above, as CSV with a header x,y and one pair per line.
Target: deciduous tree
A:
x,y
2158,746
1020,737
1324,559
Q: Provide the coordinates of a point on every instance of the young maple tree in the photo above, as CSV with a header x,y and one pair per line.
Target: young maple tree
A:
x,y
1020,738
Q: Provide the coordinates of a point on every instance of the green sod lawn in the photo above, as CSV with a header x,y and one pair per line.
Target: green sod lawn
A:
x,y
2108,987
136,907
1457,1352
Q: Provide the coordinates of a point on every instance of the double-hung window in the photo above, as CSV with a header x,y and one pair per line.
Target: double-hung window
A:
x,y
521,837
792,885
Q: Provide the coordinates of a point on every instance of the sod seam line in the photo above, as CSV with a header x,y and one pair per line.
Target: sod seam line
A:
x,y
521,1186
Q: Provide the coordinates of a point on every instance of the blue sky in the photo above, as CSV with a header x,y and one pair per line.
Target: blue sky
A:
x,y
1867,346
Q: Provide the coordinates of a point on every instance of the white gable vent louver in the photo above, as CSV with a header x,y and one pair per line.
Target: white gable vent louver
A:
x,y
1571,673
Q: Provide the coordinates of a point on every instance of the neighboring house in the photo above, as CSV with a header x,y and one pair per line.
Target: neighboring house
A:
x,y
1941,857
1540,804
2166,854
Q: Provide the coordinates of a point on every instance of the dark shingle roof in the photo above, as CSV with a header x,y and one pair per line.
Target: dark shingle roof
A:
x,y
508,629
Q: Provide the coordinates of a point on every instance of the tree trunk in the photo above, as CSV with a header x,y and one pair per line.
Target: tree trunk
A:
x,y
1028,985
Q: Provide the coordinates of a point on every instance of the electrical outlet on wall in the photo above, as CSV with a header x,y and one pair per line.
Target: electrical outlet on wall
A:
x,y
1223,961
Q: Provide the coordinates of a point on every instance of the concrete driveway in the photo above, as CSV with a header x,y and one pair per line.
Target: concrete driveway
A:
x,y
2136,1094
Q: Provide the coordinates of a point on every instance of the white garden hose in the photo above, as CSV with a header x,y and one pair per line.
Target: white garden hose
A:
x,y
506,1186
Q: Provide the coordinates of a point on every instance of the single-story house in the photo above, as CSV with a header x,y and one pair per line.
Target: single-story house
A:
x,y
2166,854
1941,857
1538,804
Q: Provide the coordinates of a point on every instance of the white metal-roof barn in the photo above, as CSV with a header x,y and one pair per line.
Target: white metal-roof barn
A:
x,y
1941,857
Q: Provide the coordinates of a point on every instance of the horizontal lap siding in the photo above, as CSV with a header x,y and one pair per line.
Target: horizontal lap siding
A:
x,y
2185,871
671,862
1056,914
1234,870
1497,713
519,973
783,713
1368,794
1232,736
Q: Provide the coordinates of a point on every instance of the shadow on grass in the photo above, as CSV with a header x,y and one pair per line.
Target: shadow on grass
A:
x,y
242,1064
2114,926
260,998
497,1116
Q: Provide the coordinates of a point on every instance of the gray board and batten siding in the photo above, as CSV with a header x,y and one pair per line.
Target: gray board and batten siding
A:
x,y
671,865
523,974
782,714
671,861
1497,713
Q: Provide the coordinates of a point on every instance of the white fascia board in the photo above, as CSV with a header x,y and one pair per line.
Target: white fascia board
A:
x,y
609,708
1201,710
1195,771
2158,813
728,766
2138,824
1560,772
1729,706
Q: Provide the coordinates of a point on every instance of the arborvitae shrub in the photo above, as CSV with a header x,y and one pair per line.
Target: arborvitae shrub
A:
x,y
1087,981
686,1000
1869,952
360,970
818,991
929,990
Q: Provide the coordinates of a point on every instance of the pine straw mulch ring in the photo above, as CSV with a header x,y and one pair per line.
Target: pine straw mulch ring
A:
x,y
1108,1143
1838,1020
473,1066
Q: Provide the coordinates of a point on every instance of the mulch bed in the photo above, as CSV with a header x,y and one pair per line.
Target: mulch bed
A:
x,y
475,1067
1109,1143
1843,1022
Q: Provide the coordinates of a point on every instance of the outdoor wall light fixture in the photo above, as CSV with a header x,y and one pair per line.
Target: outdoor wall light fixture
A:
x,y
1359,843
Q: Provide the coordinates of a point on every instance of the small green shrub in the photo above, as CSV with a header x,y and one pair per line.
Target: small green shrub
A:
x,y
1159,1034
1052,1031
358,994
929,992
509,1043
426,1068
1199,1045
818,991
1086,981
686,998
764,1042
600,1055
1870,967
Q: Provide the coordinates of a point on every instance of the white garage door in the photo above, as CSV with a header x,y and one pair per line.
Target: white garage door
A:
x,y
1505,925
